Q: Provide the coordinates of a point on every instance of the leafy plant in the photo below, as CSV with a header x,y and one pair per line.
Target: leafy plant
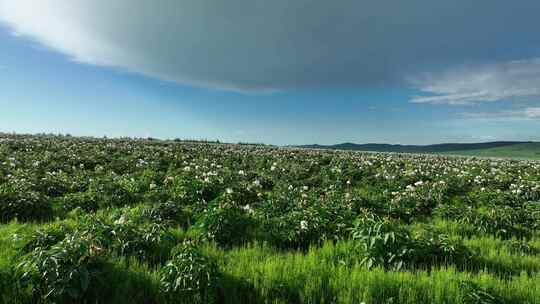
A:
x,y
169,212
23,204
435,248
43,239
226,223
84,200
382,242
475,294
189,277
64,272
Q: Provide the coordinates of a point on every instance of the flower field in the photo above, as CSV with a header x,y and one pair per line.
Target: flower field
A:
x,y
87,220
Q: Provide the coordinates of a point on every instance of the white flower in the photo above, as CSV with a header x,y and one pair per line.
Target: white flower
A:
x,y
229,190
248,209
120,221
419,183
303,225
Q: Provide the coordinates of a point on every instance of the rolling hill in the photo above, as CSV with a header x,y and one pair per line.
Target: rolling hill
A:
x,y
512,149
520,151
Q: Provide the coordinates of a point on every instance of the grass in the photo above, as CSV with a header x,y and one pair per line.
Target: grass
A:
x,y
316,277
517,151
258,273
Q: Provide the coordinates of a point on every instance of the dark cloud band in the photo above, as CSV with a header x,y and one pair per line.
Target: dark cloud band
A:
x,y
280,44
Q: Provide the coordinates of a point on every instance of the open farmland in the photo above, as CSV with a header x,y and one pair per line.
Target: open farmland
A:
x,y
89,220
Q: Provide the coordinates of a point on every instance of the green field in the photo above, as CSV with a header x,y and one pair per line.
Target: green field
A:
x,y
517,151
86,220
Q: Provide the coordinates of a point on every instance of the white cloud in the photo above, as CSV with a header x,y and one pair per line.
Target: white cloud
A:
x,y
266,45
530,113
508,81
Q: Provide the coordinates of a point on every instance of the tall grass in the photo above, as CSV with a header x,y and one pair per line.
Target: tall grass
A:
x,y
258,273
319,277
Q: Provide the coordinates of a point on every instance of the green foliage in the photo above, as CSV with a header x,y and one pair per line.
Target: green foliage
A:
x,y
500,221
84,200
435,248
298,220
23,204
169,212
475,294
150,242
113,191
226,223
382,242
44,239
64,272
284,225
189,277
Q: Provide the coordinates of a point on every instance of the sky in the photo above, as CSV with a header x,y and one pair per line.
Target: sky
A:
x,y
278,72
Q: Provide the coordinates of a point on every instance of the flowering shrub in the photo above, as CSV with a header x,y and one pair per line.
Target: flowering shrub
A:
x,y
169,212
418,199
226,223
23,204
112,191
84,200
189,277
126,236
290,223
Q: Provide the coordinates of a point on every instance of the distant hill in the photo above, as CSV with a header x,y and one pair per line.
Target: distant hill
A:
x,y
508,148
529,150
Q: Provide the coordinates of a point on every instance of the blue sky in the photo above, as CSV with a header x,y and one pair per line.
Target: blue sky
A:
x,y
323,79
